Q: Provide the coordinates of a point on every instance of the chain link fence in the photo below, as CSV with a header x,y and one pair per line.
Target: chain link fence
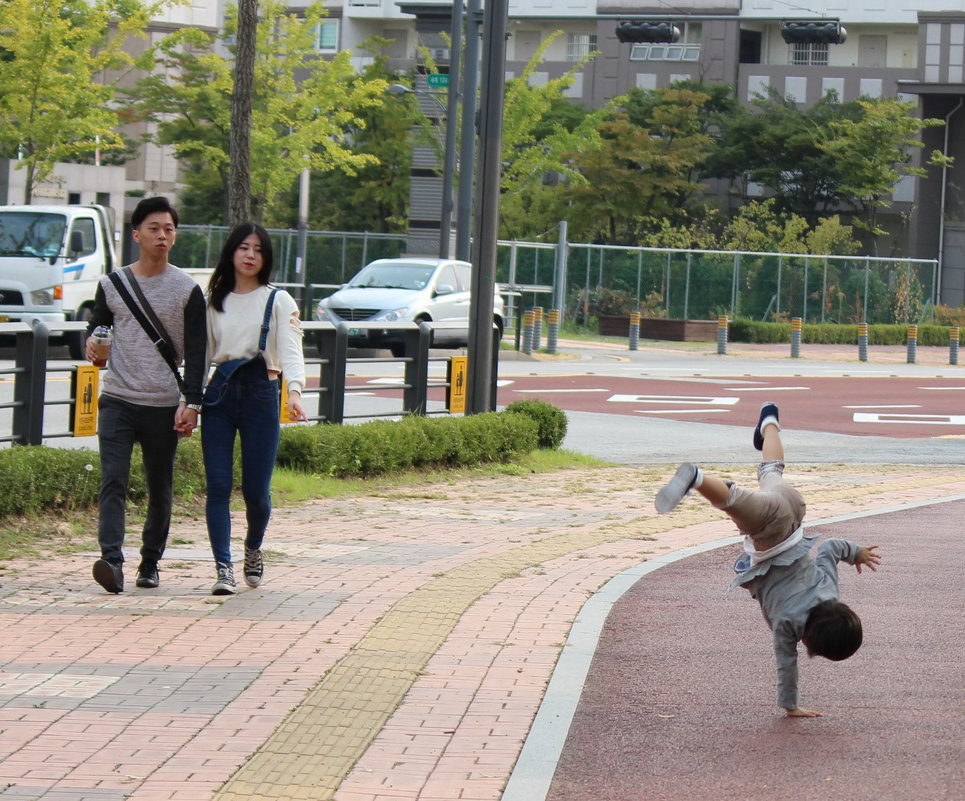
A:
x,y
680,284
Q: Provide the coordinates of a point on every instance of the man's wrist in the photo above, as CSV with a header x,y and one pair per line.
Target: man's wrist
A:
x,y
194,407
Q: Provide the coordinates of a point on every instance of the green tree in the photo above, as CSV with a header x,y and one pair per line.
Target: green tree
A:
x,y
636,176
303,106
874,150
541,129
54,103
375,197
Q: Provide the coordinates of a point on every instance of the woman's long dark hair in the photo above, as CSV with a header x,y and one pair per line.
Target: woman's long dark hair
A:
x,y
223,278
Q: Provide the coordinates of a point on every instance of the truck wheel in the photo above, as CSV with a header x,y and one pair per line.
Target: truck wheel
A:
x,y
76,340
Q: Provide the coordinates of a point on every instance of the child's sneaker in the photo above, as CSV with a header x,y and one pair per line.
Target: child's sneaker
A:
x,y
675,489
769,409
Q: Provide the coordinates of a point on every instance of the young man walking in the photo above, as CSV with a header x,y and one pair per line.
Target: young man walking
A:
x,y
143,400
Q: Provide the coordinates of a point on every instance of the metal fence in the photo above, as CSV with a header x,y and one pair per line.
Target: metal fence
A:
x,y
685,284
29,395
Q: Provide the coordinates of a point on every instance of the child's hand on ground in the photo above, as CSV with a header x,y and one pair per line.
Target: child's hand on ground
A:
x,y
867,555
802,713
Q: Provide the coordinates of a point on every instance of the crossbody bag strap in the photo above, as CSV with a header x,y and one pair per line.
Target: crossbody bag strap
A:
x,y
266,322
162,345
146,306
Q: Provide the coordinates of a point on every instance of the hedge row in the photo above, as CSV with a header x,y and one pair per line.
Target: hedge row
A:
x,y
753,331
41,478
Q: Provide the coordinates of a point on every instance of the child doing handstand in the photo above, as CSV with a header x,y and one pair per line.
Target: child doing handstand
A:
x,y
798,594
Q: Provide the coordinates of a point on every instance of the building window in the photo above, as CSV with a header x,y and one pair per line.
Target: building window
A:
x,y
579,45
808,54
326,36
665,52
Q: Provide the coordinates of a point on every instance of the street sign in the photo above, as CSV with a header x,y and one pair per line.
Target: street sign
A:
x,y
456,389
84,397
438,79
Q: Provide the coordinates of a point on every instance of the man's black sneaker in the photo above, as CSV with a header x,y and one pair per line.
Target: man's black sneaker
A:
x,y
674,490
254,567
225,585
147,576
769,409
109,575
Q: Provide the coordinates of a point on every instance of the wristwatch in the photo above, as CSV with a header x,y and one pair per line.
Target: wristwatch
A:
x,y
195,406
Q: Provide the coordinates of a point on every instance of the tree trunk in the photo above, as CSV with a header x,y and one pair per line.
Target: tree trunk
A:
x,y
239,177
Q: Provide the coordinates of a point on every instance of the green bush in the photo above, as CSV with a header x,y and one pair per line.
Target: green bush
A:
x,y
753,331
39,477
550,419
384,446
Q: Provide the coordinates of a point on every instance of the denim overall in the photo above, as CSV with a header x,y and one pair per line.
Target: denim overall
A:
x,y
240,397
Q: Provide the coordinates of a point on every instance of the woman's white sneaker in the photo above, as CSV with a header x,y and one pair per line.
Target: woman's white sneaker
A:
x,y
254,567
225,585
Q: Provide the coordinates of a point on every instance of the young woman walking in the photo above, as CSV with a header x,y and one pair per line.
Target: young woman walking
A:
x,y
254,342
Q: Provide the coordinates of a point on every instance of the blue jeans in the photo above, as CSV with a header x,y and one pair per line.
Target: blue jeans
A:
x,y
246,404
120,425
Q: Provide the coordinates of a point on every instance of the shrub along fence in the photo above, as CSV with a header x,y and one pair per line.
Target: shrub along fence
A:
x,y
42,478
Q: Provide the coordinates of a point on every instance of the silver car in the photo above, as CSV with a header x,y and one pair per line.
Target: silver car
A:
x,y
406,290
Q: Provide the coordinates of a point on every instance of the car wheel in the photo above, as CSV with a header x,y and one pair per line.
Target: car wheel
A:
x,y
397,349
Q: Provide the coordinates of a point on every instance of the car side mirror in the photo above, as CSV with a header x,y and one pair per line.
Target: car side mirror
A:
x,y
444,289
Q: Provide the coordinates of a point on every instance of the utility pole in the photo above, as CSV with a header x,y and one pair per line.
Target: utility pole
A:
x,y
481,344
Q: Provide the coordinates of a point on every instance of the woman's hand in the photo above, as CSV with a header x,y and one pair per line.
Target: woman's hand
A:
x,y
296,413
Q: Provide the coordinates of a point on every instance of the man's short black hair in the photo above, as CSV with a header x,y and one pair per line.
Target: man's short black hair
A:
x,y
150,205
832,630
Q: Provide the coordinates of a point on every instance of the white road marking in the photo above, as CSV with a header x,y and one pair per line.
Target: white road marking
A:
x,y
911,419
574,389
885,406
765,389
943,389
667,399
679,411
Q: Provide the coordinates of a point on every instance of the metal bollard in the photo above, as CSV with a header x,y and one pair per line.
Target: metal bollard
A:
x,y
796,325
862,342
912,344
537,327
528,332
552,329
722,335
953,346
634,330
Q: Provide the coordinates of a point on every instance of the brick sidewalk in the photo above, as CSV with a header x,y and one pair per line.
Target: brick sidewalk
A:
x,y
398,649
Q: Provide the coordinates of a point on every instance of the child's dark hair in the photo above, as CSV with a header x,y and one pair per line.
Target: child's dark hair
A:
x,y
223,278
150,205
832,630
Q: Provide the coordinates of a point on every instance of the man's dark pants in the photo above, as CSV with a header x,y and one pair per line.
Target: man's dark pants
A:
x,y
120,426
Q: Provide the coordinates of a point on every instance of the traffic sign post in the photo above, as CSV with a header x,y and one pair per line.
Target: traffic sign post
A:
x,y
83,421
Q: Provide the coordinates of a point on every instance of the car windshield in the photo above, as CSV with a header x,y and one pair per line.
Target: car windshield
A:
x,y
393,276
31,234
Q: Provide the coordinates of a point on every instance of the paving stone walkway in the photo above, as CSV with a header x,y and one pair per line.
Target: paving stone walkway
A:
x,y
398,649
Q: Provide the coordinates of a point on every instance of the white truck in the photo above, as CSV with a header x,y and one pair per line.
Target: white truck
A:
x,y
51,258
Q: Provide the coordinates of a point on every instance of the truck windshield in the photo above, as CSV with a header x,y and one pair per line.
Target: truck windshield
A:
x,y
31,234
